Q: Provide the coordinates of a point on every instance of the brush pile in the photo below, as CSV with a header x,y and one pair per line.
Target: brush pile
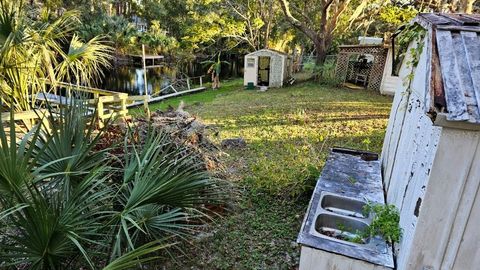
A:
x,y
188,130
183,129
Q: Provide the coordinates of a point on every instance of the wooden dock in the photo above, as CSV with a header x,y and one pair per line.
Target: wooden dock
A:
x,y
105,104
108,104
178,88
151,61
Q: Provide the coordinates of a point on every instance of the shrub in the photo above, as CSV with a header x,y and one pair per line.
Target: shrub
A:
x,y
325,73
62,204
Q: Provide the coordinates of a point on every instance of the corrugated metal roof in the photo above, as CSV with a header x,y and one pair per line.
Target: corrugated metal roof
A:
x,y
458,53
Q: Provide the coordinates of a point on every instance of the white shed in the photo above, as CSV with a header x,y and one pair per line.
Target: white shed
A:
x,y
390,80
431,152
267,67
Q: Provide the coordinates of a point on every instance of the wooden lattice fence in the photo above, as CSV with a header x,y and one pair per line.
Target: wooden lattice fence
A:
x,y
379,53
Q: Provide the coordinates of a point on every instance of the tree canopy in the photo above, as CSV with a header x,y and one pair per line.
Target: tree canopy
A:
x,y
193,28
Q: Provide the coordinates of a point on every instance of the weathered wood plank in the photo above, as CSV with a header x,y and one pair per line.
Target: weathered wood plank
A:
x,y
26,115
314,259
89,89
435,18
471,43
468,254
155,99
395,126
458,28
465,80
435,221
454,94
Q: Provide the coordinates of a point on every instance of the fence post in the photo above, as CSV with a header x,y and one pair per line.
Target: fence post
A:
x,y
201,81
188,83
144,70
100,112
146,108
123,106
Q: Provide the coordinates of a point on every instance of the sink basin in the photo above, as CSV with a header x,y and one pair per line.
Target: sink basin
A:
x,y
343,205
340,228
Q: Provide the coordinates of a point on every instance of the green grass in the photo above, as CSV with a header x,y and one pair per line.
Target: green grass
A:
x,y
289,132
198,98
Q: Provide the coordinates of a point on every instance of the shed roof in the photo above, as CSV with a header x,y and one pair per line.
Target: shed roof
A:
x,y
268,50
455,64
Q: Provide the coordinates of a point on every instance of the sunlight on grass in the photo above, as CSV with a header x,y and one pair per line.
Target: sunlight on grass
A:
x,y
289,133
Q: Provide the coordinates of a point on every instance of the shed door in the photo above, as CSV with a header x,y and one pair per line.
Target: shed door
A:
x,y
263,70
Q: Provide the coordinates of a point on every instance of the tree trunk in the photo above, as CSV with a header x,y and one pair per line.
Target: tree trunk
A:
x,y
321,52
317,37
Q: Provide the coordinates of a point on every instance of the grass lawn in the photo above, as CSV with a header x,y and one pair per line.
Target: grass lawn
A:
x,y
288,132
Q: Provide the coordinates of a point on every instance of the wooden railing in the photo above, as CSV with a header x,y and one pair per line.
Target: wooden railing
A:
x,y
180,87
107,104
28,118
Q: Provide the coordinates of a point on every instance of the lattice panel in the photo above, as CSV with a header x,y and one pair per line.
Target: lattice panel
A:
x,y
379,54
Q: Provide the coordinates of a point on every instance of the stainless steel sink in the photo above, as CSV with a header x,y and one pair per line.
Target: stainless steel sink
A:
x,y
341,228
335,222
342,205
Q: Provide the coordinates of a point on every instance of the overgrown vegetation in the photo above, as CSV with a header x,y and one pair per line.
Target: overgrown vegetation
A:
x,y
288,132
36,51
385,223
65,202
323,73
186,30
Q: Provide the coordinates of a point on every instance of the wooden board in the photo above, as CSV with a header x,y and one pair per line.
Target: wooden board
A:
x,y
454,90
314,259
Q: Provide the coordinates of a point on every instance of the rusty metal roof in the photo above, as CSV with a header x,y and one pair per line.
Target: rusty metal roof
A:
x,y
455,80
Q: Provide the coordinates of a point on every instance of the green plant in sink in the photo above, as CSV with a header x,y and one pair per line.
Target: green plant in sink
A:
x,y
352,180
358,237
385,222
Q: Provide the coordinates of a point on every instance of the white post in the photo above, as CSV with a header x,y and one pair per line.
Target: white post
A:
x,y
144,70
145,101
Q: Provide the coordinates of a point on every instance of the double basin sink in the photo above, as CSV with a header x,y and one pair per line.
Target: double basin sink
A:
x,y
341,219
335,219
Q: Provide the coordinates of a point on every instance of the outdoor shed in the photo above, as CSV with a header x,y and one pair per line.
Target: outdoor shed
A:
x,y
361,65
431,151
267,67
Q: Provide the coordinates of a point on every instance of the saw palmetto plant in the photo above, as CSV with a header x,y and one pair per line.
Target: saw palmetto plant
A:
x,y
63,206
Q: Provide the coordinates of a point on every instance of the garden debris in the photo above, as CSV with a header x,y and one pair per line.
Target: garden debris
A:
x,y
234,143
181,126
186,129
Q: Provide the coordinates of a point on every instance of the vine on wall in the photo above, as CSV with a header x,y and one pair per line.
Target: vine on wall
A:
x,y
413,33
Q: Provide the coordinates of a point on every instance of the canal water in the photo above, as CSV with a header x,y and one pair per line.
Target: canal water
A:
x,y
130,79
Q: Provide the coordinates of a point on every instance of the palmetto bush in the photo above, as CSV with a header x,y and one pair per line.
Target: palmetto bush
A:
x,y
63,206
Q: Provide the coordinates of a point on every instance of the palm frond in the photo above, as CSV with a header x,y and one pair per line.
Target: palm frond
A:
x,y
160,184
66,155
137,257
